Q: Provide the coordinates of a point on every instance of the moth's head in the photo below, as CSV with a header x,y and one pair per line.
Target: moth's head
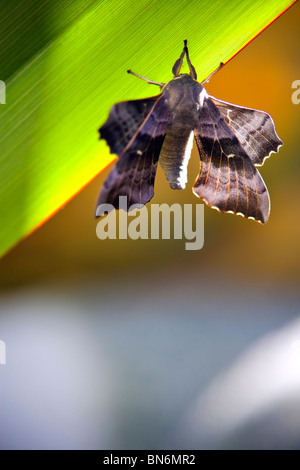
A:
x,y
178,64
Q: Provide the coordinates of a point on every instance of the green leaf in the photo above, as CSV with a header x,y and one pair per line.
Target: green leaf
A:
x,y
64,65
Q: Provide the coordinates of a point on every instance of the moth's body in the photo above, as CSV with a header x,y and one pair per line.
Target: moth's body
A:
x,y
231,140
183,99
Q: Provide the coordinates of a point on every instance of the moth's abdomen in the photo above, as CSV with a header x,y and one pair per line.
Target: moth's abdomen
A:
x,y
175,155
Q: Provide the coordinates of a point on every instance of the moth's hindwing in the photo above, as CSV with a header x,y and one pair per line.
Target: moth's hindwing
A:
x,y
255,130
228,180
135,131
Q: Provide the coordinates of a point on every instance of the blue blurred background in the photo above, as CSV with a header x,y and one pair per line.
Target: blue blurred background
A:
x,y
141,344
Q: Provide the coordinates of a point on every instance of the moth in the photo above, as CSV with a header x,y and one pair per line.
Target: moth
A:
x,y
232,140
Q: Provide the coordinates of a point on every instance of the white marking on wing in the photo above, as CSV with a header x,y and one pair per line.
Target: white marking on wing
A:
x,y
202,96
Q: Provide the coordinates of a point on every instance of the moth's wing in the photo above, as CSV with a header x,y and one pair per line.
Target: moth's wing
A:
x,y
255,129
135,131
124,121
133,177
228,180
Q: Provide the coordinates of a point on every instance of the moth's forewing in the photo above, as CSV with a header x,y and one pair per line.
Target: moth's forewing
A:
x,y
135,131
228,180
133,176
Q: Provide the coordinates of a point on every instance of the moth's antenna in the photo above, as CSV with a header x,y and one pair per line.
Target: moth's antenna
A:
x,y
178,64
211,74
193,73
151,82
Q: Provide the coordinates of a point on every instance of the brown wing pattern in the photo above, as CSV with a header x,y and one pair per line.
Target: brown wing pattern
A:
x,y
254,129
135,131
228,180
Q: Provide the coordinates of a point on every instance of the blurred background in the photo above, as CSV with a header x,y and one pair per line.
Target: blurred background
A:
x,y
123,344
